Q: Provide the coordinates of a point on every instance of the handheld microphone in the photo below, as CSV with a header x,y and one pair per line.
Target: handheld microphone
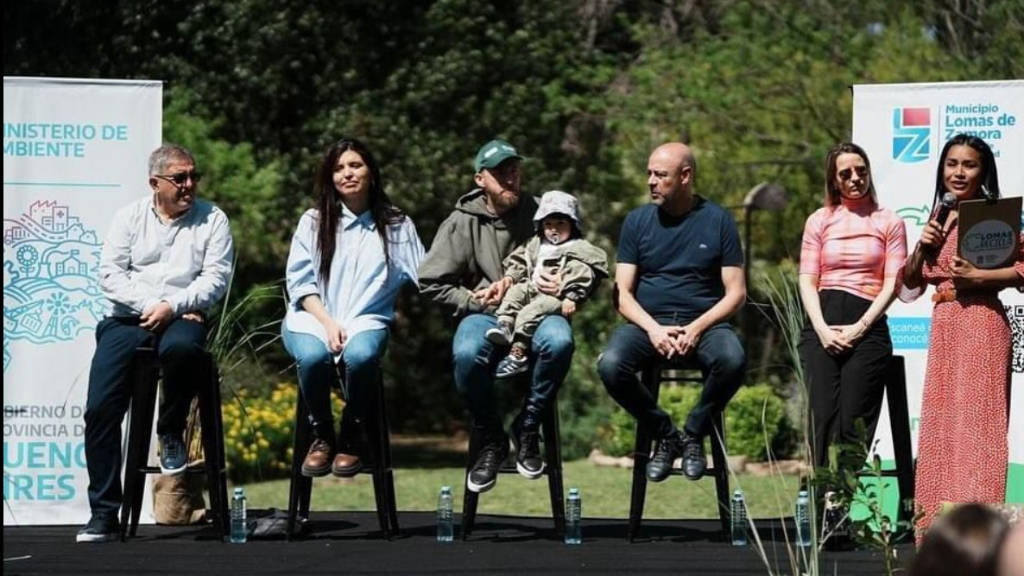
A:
x,y
948,202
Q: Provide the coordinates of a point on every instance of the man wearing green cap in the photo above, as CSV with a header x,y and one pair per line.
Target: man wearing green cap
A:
x,y
463,270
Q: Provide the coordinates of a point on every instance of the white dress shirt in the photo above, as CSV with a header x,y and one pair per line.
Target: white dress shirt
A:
x,y
185,262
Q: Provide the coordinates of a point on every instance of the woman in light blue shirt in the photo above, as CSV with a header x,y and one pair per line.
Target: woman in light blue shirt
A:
x,y
349,257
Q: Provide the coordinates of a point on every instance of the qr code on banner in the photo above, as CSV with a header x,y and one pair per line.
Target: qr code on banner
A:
x,y
1016,314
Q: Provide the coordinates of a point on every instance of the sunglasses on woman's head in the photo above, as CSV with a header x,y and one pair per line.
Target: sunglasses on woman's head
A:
x,y
179,178
846,173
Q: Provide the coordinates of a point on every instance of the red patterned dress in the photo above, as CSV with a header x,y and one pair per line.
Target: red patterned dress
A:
x,y
962,448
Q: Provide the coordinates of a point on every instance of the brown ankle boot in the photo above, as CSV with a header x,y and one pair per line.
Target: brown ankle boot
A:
x,y
346,465
347,462
318,459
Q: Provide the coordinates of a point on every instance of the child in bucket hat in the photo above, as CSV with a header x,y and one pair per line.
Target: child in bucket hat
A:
x,y
557,247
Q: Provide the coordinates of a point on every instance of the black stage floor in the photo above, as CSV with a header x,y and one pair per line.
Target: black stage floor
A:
x,y
349,544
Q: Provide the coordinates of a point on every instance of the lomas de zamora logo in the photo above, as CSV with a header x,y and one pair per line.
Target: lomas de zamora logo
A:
x,y
911,134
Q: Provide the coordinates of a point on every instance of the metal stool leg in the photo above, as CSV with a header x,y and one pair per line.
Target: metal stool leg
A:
x,y
638,493
650,378
470,499
373,431
721,465
211,421
384,438
140,426
899,420
553,454
300,486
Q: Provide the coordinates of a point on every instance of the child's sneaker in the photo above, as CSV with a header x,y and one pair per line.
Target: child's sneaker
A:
x,y
516,363
500,335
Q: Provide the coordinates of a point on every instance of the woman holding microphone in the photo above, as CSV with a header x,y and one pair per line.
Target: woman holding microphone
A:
x,y
962,447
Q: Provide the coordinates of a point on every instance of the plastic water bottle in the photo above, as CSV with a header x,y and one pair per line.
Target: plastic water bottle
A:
x,y
739,519
574,517
445,529
238,528
803,519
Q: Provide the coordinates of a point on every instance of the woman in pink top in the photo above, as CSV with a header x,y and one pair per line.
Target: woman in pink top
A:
x,y
962,449
851,256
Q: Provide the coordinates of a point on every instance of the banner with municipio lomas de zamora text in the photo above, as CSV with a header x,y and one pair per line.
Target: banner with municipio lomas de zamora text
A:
x,y
903,128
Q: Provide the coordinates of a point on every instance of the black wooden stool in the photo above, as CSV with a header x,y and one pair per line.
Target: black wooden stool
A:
x,y
377,462
899,422
551,438
140,426
652,377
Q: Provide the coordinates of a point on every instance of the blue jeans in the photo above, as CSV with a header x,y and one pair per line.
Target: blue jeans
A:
x,y
719,355
361,358
475,359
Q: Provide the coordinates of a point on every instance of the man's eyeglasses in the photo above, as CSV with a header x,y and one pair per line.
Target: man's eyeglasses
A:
x,y
179,178
846,174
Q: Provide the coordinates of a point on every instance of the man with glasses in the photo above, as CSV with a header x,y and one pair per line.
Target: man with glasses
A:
x,y
464,271
679,277
166,260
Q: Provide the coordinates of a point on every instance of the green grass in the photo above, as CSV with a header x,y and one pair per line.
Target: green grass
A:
x,y
605,493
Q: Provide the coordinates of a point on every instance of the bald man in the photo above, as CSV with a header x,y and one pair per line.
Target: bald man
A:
x,y
1011,557
679,277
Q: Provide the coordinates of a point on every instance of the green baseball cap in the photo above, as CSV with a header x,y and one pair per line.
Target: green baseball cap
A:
x,y
493,153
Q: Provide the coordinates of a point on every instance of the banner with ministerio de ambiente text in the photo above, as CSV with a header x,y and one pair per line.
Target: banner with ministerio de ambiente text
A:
x,y
903,128
74,152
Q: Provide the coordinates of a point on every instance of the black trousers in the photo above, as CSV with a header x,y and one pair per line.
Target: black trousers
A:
x,y
719,355
848,386
180,347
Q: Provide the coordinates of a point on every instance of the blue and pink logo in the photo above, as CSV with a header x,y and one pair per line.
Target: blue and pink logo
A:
x,y
911,134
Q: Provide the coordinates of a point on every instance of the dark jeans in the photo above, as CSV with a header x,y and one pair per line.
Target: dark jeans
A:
x,y
475,359
849,386
719,355
180,347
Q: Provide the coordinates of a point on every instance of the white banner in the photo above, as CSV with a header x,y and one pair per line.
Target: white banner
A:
x,y
903,127
74,152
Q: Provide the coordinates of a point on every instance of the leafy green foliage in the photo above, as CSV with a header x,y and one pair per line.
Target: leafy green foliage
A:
x,y
245,188
845,476
754,413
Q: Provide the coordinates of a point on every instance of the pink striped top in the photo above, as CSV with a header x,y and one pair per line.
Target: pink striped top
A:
x,y
853,247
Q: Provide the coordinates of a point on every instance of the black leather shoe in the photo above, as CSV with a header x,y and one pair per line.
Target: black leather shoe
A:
x,y
526,446
484,474
694,460
665,454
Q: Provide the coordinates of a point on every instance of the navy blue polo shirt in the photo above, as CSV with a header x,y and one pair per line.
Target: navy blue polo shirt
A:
x,y
679,260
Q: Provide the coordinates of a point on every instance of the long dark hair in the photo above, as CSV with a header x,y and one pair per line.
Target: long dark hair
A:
x,y
832,195
989,175
328,205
